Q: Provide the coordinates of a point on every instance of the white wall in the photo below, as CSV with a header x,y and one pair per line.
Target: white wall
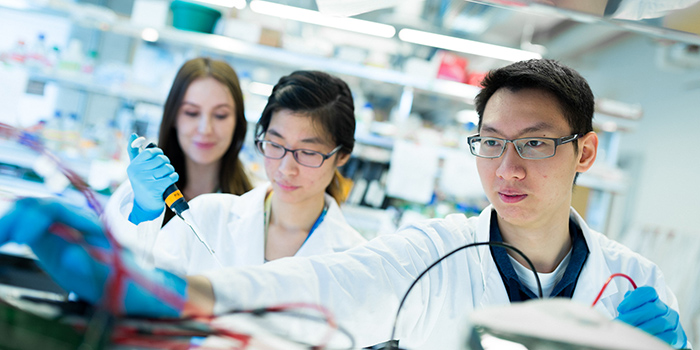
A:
x,y
666,145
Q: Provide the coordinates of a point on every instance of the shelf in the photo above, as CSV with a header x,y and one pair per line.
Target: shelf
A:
x,y
105,20
602,183
83,82
14,154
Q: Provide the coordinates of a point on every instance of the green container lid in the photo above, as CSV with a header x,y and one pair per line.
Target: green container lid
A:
x,y
194,17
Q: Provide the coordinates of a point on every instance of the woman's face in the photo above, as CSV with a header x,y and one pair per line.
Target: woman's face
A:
x,y
206,121
291,181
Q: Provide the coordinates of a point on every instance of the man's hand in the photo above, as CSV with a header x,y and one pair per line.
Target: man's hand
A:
x,y
642,308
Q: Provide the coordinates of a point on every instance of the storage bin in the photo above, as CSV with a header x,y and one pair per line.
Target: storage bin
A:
x,y
194,17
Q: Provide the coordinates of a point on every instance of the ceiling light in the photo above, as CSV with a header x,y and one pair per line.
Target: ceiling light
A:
x,y
315,17
239,4
150,35
466,46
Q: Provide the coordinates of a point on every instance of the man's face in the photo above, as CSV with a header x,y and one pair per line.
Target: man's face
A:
x,y
530,193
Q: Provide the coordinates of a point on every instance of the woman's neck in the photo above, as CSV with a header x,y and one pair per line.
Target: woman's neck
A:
x,y
296,216
201,179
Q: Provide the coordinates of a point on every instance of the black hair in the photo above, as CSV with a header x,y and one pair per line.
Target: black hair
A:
x,y
327,100
570,89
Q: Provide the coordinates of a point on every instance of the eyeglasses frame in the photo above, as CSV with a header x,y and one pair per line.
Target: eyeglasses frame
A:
x,y
293,152
557,142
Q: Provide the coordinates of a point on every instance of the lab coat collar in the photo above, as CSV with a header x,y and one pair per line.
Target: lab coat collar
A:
x,y
494,291
595,272
593,275
247,225
322,241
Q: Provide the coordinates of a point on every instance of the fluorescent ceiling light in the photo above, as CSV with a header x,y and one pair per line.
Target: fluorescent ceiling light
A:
x,y
466,46
239,4
150,35
315,17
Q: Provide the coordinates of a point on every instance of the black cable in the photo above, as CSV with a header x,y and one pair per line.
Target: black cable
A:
x,y
392,345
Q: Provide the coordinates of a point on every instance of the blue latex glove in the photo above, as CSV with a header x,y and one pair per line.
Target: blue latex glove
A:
x,y
150,173
642,308
71,266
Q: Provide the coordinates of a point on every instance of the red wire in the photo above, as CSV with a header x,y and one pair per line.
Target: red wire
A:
x,y
634,285
114,287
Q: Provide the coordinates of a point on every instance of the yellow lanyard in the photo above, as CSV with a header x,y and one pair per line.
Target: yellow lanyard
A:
x,y
266,218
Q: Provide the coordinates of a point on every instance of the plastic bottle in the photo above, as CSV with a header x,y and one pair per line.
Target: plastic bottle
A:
x,y
37,55
18,54
364,119
53,132
71,134
72,59
89,63
53,57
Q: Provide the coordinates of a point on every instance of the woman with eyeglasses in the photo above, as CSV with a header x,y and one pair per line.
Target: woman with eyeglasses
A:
x,y
305,133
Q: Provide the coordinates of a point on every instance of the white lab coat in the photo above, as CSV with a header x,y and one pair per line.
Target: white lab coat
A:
x,y
363,286
641,9
232,225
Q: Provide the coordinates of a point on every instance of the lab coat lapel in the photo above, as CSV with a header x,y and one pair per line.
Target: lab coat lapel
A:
x,y
594,274
494,292
320,241
247,228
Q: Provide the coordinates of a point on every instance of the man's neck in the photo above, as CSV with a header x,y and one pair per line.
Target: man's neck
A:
x,y
545,245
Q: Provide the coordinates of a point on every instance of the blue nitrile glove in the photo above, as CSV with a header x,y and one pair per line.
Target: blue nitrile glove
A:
x,y
150,173
642,308
71,266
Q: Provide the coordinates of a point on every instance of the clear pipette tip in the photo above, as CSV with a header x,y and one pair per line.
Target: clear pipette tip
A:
x,y
189,220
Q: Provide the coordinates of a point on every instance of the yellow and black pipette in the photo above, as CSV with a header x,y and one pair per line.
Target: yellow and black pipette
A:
x,y
176,202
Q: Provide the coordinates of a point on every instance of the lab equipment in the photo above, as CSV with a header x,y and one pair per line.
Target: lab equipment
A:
x,y
642,308
554,323
176,202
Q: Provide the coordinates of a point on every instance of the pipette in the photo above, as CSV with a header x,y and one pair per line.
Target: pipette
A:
x,y
176,202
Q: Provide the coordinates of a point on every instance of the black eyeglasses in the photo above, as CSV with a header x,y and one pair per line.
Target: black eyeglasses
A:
x,y
305,157
527,147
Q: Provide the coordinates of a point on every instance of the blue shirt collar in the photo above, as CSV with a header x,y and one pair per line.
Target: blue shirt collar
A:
x,y
517,291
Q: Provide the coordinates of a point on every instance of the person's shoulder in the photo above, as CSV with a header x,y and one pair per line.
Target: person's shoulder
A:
x,y
450,223
456,228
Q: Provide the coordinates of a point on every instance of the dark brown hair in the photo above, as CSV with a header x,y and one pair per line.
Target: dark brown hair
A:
x,y
232,175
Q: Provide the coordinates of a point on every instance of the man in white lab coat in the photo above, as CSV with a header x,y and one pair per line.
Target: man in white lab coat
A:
x,y
535,136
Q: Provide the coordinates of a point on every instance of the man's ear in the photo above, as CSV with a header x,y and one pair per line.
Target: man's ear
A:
x,y
587,151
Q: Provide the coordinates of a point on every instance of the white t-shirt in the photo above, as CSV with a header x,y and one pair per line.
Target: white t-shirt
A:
x,y
548,280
